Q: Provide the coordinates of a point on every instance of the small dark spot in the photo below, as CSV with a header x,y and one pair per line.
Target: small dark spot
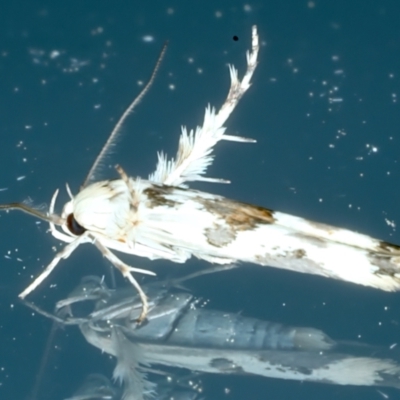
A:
x,y
157,195
235,38
299,253
389,247
304,370
225,365
387,266
313,240
324,227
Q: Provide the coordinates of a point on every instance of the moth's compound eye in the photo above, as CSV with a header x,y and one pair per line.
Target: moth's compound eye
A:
x,y
73,226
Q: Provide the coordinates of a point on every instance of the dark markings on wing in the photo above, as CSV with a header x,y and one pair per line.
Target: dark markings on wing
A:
x,y
157,195
240,216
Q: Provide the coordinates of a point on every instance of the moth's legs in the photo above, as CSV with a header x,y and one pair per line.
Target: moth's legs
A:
x,y
212,270
126,272
125,178
135,194
57,234
53,201
60,235
123,175
64,253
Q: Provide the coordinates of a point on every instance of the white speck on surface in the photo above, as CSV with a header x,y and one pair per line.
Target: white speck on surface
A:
x,y
384,395
390,223
148,38
97,31
247,8
54,54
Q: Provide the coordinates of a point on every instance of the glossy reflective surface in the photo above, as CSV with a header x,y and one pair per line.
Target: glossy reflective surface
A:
x,y
323,108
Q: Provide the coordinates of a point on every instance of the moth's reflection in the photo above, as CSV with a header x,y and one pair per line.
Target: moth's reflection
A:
x,y
99,387
180,333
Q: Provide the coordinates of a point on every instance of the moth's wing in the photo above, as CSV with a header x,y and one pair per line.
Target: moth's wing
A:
x,y
195,148
130,359
223,231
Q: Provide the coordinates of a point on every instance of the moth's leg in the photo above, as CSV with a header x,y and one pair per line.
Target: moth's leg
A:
x,y
61,235
64,320
135,194
43,312
123,174
57,234
64,253
212,270
125,178
126,272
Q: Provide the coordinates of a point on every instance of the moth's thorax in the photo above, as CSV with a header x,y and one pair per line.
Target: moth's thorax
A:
x,y
102,207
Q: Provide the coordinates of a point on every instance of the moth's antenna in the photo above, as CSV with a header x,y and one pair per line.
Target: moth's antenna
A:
x,y
53,218
119,124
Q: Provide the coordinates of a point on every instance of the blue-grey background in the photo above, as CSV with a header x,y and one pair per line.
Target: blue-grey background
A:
x,y
69,69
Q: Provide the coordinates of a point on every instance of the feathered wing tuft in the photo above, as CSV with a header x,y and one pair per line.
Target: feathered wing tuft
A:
x,y
128,370
195,148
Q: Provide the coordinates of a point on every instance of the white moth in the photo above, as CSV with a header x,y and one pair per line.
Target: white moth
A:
x,y
161,218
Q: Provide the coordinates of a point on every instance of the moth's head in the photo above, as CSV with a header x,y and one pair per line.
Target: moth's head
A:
x,y
101,207
70,225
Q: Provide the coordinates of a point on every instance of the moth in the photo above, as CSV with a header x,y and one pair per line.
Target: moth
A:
x,y
162,218
181,333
